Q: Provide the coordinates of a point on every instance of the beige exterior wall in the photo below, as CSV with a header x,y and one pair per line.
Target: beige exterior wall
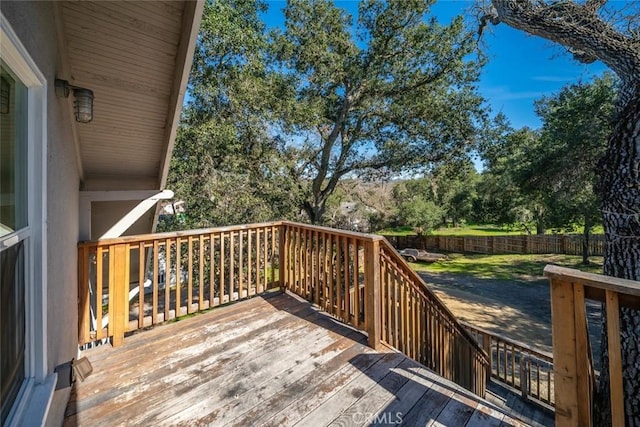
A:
x,y
105,215
36,29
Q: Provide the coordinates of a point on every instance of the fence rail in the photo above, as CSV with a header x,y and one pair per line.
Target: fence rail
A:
x,y
569,244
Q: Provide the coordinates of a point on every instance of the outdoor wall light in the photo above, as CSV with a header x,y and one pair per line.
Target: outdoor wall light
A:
x,y
83,104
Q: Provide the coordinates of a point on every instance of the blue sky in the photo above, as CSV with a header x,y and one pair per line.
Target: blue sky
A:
x,y
521,68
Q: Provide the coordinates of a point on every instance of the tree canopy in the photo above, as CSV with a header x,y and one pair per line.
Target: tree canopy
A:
x,y
226,165
390,91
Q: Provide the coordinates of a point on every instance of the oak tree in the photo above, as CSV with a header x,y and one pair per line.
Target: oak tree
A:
x,y
387,90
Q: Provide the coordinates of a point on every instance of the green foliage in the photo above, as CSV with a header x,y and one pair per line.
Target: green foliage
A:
x,y
577,123
548,177
391,91
423,215
501,199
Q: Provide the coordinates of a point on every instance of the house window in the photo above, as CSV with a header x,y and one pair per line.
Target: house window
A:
x,y
26,386
14,236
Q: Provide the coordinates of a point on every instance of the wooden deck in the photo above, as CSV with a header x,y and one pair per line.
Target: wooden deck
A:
x,y
273,360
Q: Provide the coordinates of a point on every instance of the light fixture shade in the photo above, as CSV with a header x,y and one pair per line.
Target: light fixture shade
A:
x,y
83,105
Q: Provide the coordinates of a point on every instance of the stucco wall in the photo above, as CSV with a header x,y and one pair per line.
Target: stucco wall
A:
x,y
35,26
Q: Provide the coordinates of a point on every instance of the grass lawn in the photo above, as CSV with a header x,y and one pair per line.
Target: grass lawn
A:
x,y
507,267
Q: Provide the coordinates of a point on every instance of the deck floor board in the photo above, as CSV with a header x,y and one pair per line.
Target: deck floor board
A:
x,y
268,361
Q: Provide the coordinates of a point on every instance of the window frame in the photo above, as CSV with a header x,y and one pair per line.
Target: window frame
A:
x,y
36,392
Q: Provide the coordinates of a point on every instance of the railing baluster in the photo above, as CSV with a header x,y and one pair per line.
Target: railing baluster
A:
x,y
250,284
154,284
212,270
316,270
241,266
190,274
178,275
99,284
273,257
356,284
124,288
339,276
325,271
306,265
232,267
141,278
223,267
259,288
201,260
264,265
167,279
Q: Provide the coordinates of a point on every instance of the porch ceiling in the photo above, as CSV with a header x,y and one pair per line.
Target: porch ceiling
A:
x,y
135,57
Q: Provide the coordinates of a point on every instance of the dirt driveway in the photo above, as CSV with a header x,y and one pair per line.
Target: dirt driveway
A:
x,y
518,309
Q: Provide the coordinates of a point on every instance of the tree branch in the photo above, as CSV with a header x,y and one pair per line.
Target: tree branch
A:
x,y
576,27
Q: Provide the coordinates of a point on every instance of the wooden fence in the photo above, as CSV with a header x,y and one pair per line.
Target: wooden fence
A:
x,y
570,244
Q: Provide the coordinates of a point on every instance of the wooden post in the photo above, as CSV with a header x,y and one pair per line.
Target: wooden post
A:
x,y
524,377
372,285
83,295
565,362
615,359
583,360
282,257
118,292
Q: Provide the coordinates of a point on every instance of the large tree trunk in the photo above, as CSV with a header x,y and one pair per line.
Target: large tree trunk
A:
x,y
314,212
620,189
578,27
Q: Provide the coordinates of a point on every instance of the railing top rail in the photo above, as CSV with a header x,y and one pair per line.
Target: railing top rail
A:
x,y
541,354
422,287
335,231
174,234
599,281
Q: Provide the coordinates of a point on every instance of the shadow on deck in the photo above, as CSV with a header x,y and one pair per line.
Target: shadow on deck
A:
x,y
273,360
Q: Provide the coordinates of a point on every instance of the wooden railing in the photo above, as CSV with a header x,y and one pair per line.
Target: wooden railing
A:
x,y
518,365
328,268
416,322
573,367
361,280
133,282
